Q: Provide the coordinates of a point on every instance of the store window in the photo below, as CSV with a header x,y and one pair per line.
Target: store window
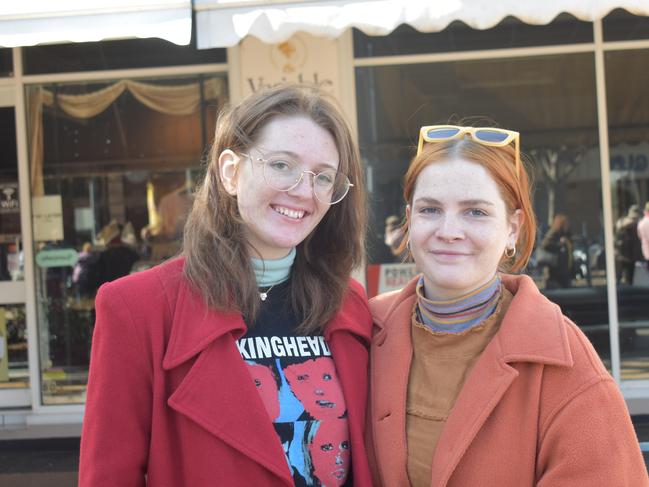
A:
x,y
113,170
6,62
628,116
458,36
14,368
117,54
11,265
551,100
621,25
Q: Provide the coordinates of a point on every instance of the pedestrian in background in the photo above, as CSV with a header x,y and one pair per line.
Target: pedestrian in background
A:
x,y
643,233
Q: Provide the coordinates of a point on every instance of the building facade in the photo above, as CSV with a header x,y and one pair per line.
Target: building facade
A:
x,y
102,144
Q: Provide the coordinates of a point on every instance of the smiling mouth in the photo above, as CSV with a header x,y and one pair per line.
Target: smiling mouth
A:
x,y
325,404
446,252
294,214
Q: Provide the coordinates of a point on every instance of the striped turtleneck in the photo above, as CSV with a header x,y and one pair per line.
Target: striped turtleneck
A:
x,y
461,313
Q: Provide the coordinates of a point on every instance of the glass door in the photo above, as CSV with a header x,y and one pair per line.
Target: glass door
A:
x,y
14,364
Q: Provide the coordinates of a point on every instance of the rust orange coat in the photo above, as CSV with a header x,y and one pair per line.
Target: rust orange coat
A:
x,y
538,408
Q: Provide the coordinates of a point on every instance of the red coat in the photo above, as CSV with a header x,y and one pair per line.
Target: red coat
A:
x,y
537,409
169,396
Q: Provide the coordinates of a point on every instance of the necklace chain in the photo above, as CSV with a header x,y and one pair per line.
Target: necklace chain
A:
x,y
263,295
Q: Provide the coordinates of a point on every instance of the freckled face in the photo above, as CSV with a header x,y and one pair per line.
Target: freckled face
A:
x,y
459,227
275,221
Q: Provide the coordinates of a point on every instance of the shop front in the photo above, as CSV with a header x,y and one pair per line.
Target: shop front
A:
x,y
102,144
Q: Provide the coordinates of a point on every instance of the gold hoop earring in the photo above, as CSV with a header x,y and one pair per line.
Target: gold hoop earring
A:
x,y
510,251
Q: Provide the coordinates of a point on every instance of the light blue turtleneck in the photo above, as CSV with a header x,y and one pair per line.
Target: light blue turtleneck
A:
x,y
273,271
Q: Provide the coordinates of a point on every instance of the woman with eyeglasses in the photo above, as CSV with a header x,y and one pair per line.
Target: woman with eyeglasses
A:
x,y
244,361
476,378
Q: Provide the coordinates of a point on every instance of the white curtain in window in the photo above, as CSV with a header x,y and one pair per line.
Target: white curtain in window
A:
x,y
171,100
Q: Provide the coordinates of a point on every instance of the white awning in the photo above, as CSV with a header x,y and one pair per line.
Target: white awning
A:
x,y
222,23
31,22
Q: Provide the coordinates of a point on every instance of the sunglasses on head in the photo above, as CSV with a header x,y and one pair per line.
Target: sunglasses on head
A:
x,y
490,136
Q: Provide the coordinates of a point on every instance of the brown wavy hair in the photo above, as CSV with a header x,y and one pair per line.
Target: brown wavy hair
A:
x,y
216,251
515,189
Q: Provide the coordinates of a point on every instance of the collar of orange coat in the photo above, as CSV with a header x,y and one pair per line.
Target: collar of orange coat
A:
x,y
523,341
194,326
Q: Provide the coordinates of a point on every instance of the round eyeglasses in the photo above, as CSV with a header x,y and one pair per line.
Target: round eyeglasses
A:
x,y
284,174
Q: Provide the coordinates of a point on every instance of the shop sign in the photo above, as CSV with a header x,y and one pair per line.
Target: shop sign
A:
x,y
9,202
631,159
48,218
382,278
303,59
57,258
627,161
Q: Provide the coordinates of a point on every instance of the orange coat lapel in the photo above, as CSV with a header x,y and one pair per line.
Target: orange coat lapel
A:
x,y
391,355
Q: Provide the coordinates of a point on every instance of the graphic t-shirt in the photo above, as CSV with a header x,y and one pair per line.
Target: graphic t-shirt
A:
x,y
297,381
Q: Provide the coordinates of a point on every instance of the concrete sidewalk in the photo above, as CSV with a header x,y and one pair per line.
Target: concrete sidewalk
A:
x,y
54,462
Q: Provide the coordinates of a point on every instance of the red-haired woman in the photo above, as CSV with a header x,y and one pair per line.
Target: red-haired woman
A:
x,y
244,362
476,378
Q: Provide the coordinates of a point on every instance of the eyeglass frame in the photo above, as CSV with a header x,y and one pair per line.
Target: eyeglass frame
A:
x,y
512,136
299,180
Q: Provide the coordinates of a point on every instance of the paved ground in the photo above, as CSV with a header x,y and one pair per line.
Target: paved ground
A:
x,y
54,462
39,463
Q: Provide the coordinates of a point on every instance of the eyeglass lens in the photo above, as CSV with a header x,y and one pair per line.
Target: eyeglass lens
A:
x,y
328,186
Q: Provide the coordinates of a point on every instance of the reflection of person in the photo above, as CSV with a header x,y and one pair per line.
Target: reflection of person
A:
x,y
117,259
643,232
188,379
173,209
84,273
558,242
478,379
393,235
628,248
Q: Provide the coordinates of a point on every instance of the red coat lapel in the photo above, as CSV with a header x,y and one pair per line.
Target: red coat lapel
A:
x,y
218,393
348,336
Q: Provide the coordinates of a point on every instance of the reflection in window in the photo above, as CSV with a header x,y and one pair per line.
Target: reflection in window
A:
x,y
6,62
14,368
628,115
621,25
509,33
11,262
113,167
551,100
115,54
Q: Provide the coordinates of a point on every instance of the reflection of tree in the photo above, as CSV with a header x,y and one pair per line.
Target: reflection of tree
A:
x,y
554,166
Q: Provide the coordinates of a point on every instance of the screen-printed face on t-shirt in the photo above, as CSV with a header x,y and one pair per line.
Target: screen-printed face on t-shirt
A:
x,y
267,388
316,385
330,455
